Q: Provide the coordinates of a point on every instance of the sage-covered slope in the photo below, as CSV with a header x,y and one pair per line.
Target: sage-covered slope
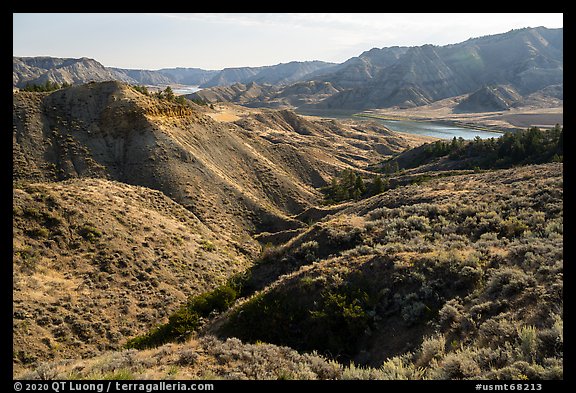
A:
x,y
460,276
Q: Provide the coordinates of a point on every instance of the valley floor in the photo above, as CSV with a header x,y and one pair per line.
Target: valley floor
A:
x,y
516,118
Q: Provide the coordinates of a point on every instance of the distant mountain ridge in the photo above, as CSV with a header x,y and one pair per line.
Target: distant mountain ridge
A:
x,y
282,73
526,61
38,70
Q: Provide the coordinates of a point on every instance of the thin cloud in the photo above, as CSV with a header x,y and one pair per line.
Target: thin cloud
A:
x,y
242,39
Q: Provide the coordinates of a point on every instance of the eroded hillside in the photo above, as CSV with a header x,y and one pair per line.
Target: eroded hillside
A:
x,y
238,177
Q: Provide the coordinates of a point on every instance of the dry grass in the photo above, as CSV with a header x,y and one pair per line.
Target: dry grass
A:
x,y
202,358
111,261
456,277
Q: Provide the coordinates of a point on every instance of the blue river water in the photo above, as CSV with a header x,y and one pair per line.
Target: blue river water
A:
x,y
428,128
438,130
434,129
185,89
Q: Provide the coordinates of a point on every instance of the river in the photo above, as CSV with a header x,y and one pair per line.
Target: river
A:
x,y
434,129
185,89
428,128
438,130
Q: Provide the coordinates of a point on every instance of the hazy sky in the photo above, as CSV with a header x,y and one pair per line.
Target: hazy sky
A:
x,y
217,41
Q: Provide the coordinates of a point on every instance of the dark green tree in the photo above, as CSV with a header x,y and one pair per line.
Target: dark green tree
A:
x,y
142,89
168,93
560,143
377,186
359,186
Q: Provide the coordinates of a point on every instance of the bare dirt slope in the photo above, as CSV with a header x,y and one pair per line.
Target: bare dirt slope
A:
x,y
238,177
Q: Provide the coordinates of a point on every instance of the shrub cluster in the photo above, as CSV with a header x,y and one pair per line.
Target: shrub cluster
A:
x,y
458,287
46,87
530,146
480,273
350,185
189,317
167,94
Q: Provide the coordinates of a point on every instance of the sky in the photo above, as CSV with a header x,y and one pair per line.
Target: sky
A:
x,y
214,41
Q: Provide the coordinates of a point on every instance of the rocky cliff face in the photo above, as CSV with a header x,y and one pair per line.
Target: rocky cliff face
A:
x,y
361,69
526,59
38,70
